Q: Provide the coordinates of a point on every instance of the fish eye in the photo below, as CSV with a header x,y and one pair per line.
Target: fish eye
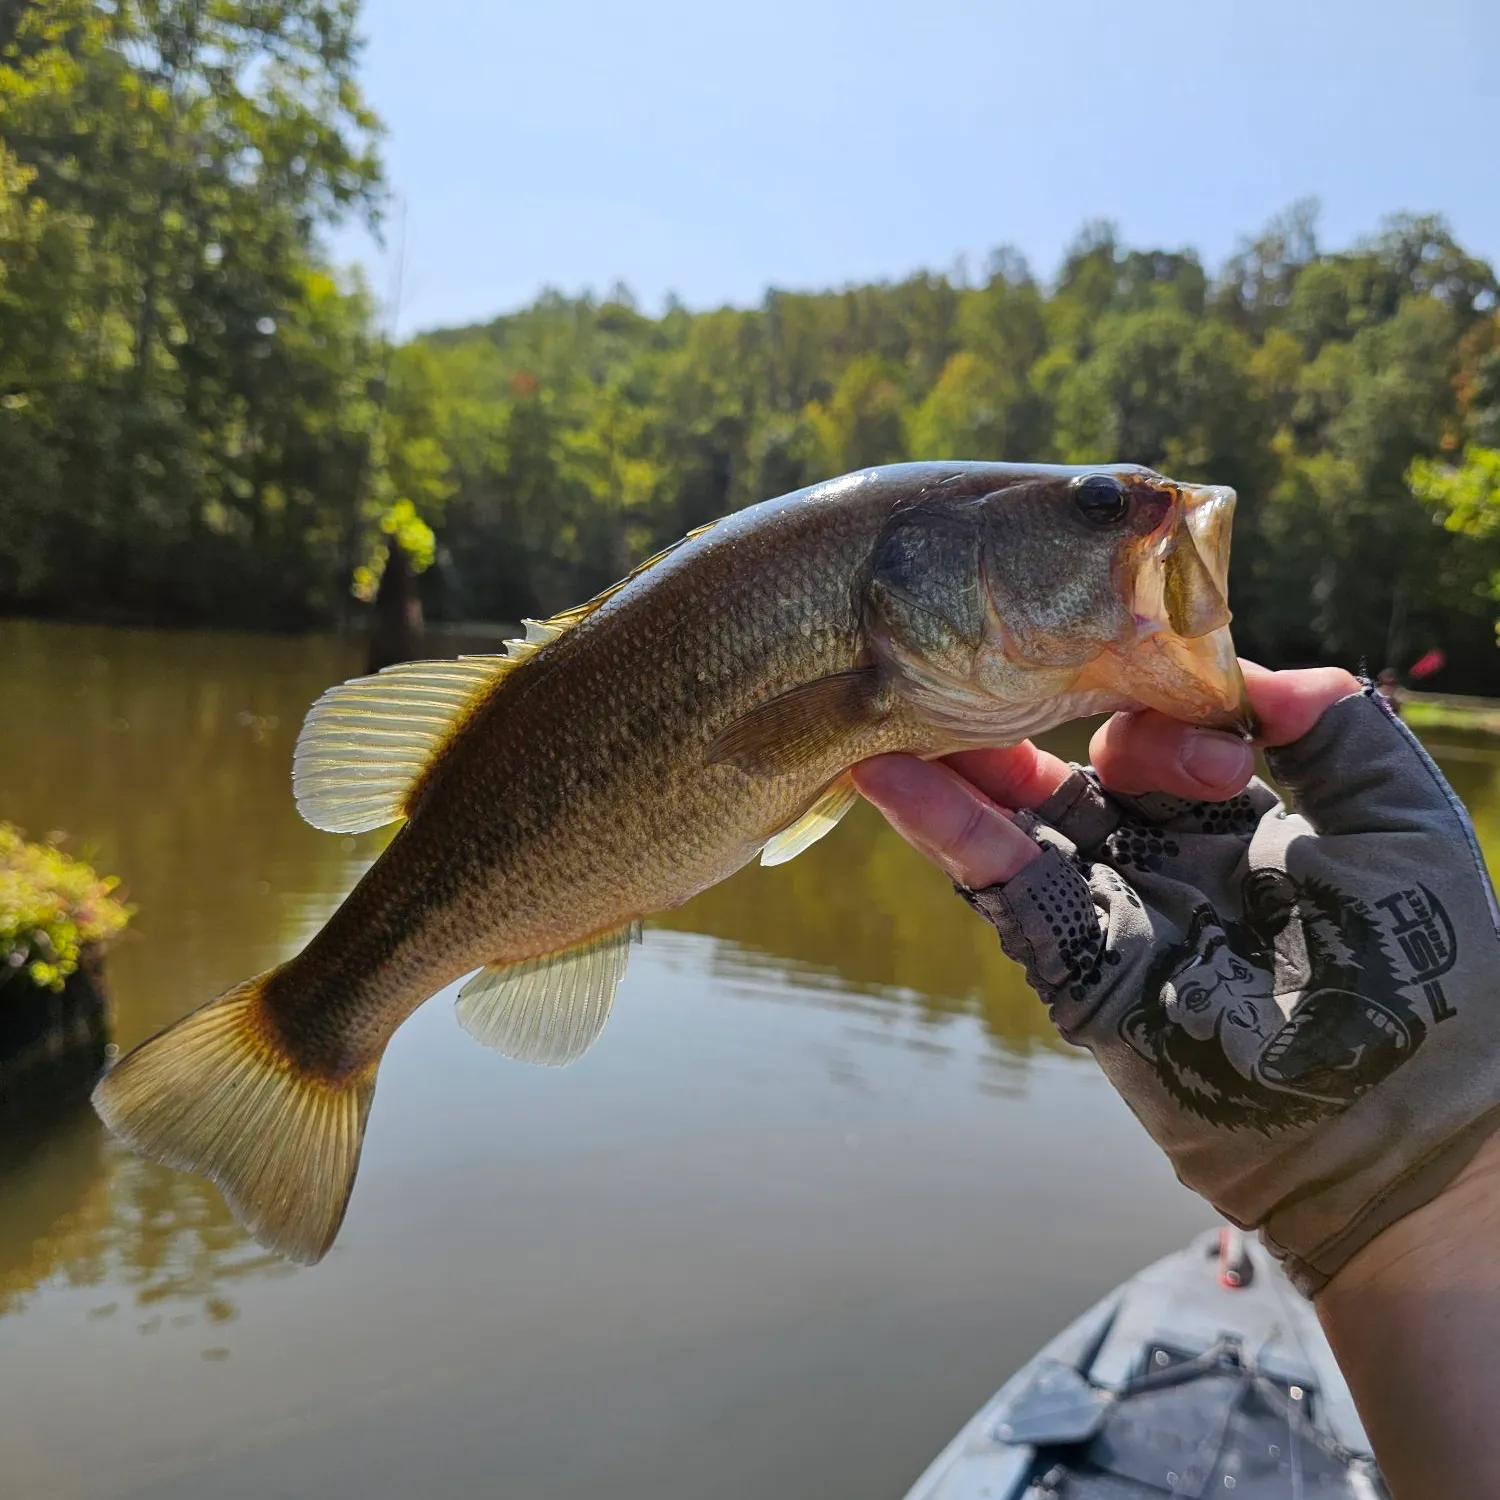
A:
x,y
1101,499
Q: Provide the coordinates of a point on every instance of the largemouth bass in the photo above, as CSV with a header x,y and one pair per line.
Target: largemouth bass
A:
x,y
641,747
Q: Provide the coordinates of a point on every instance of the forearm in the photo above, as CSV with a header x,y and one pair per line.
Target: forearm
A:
x,y
1414,1321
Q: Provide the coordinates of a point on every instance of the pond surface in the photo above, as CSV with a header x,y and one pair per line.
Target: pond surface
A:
x,y
825,1180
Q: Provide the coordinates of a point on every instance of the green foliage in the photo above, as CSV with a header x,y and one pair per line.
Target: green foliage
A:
x,y
1466,498
973,409
188,399
51,907
413,535
199,420
1309,381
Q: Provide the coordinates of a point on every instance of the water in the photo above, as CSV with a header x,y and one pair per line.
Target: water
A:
x,y
825,1180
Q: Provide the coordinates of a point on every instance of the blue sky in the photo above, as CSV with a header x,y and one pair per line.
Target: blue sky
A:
x,y
712,150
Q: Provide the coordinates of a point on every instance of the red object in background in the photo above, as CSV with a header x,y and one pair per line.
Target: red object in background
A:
x,y
1425,666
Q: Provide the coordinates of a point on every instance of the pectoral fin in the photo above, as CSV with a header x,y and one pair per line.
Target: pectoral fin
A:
x,y
366,744
822,817
803,725
547,1010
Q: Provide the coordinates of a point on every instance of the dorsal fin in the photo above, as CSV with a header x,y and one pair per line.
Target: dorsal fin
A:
x,y
582,611
365,743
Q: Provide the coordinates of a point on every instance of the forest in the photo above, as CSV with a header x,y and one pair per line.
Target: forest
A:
x,y
203,420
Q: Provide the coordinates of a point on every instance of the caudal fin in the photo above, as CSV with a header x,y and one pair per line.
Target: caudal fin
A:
x,y
216,1094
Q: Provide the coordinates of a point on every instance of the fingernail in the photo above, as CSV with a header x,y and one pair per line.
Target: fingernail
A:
x,y
1216,759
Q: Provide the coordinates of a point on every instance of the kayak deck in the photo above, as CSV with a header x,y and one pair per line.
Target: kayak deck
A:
x,y
1206,1374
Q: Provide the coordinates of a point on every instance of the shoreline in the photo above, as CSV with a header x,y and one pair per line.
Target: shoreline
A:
x,y
1451,711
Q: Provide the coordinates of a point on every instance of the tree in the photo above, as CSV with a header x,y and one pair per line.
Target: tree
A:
x,y
1163,389
860,423
1466,498
201,420
973,411
169,165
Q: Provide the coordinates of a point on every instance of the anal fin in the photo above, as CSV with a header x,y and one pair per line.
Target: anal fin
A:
x,y
822,817
547,1010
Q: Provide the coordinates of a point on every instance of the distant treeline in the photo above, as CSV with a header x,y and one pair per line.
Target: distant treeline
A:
x,y
200,422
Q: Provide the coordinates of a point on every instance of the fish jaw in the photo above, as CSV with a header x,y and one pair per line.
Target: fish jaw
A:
x,y
1197,680
1210,658
1179,576
1181,659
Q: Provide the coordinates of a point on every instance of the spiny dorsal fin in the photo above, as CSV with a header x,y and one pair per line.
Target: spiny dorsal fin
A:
x,y
582,611
822,817
365,743
547,1010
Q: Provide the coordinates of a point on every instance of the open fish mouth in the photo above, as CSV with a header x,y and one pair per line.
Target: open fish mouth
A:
x,y
1181,580
1197,664
1208,518
1208,512
1182,660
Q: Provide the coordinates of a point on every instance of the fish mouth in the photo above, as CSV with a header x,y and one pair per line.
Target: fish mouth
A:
x,y
1182,659
1208,512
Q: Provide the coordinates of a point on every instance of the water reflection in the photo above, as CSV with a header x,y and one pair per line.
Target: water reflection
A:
x,y
861,914
165,756
79,1209
55,1205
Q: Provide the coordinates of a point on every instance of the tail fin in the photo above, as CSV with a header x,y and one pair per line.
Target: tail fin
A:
x,y
216,1094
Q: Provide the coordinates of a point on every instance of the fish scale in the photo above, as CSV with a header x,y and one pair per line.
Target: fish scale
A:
x,y
632,752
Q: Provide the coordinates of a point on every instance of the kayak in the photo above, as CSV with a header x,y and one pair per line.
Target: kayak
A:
x,y
1206,1374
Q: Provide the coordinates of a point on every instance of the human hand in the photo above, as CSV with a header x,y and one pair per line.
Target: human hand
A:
x,y
959,811
1294,1002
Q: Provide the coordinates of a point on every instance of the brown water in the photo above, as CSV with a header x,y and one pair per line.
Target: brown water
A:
x,y
826,1179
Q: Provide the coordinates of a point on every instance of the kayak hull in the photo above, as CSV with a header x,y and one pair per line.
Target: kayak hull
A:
x,y
1203,1374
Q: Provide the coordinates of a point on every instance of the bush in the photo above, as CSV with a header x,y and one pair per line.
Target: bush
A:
x,y
51,908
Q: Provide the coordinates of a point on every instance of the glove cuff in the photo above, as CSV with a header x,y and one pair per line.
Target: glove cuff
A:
x,y
1419,1184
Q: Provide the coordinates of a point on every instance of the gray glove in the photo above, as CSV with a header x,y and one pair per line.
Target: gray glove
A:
x,y
1302,1007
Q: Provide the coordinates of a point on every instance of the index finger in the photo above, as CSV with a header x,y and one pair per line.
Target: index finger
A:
x,y
1018,776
